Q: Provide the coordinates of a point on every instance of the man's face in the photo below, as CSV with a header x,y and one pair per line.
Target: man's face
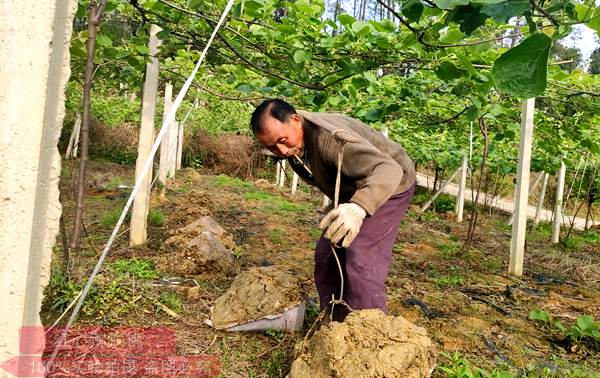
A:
x,y
282,138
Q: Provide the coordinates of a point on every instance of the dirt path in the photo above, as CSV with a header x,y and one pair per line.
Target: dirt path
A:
x,y
501,203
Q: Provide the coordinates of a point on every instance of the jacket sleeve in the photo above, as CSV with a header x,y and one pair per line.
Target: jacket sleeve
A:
x,y
376,175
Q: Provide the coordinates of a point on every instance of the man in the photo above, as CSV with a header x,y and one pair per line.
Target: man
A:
x,y
377,183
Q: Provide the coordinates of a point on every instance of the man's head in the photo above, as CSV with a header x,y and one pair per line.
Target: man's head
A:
x,y
278,127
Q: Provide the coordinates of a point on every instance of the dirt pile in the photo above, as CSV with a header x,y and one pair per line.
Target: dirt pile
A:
x,y
367,344
201,246
254,294
192,205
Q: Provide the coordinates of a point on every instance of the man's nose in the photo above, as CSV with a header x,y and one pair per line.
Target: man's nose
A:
x,y
282,149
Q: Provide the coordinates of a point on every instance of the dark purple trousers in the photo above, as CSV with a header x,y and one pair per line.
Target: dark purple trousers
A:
x,y
365,263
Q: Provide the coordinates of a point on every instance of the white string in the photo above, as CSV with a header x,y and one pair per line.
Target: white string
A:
x,y
149,161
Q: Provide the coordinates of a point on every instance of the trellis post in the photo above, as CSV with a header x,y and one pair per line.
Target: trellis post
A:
x,y
163,167
139,214
294,183
560,186
517,242
282,174
540,204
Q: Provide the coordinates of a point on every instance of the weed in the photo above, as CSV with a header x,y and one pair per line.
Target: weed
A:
x,y
591,236
459,367
277,335
276,204
138,268
156,217
453,279
61,290
277,364
108,303
224,180
111,217
172,300
583,330
572,242
276,236
448,250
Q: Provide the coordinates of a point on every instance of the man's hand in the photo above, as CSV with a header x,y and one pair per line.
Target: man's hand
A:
x,y
343,222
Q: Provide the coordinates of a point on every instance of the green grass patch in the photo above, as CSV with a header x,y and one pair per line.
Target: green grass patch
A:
x,y
224,180
110,218
316,232
172,300
138,268
448,280
276,236
156,217
275,204
448,249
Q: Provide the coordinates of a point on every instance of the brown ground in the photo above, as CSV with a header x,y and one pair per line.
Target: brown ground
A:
x,y
464,300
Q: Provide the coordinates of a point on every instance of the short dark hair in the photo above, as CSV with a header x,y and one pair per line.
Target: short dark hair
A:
x,y
276,108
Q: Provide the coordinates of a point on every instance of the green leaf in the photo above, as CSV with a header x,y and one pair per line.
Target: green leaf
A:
x,y
244,88
122,54
522,70
585,323
301,56
412,9
358,26
450,4
286,29
252,8
472,113
103,40
195,4
346,20
539,315
448,71
359,82
163,34
373,115
142,50
506,9
238,9
469,17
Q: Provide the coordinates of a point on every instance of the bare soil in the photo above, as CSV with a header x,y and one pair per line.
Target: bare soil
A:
x,y
463,299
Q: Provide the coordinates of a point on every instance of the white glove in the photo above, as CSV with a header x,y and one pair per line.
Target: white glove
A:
x,y
343,223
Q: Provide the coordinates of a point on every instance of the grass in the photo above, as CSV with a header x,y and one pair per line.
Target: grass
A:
x,y
276,204
138,268
110,218
448,280
172,300
449,249
276,236
224,180
156,217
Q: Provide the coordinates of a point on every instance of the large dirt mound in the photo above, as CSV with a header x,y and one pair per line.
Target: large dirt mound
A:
x,y
201,246
367,344
254,294
191,205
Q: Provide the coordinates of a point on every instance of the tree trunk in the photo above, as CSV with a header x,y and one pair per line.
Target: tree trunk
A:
x,y
474,211
95,13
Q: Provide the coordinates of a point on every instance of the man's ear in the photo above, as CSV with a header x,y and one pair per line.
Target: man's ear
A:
x,y
296,120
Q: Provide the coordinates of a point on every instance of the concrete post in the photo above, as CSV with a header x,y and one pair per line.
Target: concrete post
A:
x,y
540,204
141,203
517,242
74,140
294,183
282,174
163,167
34,69
179,145
560,186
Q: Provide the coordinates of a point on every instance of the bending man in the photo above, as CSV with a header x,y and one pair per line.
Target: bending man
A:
x,y
377,183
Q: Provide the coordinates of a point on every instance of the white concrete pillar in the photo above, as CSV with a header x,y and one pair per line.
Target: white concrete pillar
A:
x,y
141,203
540,203
326,201
460,201
173,140
34,69
163,167
519,227
386,132
560,187
74,139
282,174
179,145
277,172
294,183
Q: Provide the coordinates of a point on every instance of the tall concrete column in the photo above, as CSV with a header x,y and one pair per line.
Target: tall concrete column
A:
x,y
34,69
